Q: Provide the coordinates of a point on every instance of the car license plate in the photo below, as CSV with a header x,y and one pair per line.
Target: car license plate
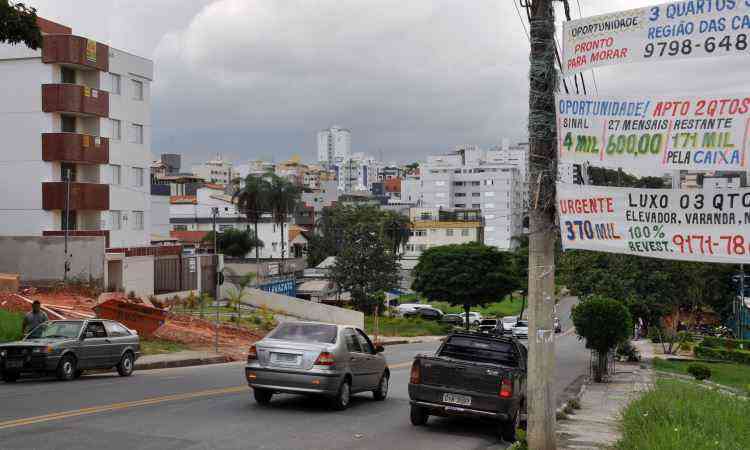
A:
x,y
463,400
11,364
285,358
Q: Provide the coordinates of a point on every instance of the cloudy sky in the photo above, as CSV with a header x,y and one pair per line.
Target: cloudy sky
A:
x,y
257,78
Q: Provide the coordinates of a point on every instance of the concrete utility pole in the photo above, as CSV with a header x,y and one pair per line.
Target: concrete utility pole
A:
x,y
542,230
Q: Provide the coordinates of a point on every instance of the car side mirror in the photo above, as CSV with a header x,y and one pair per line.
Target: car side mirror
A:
x,y
379,348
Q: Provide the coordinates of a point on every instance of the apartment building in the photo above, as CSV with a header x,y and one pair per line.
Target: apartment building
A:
x,y
334,146
215,171
75,110
466,179
433,227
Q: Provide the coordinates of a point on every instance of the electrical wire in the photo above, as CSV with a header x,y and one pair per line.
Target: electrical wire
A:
x,y
593,71
523,24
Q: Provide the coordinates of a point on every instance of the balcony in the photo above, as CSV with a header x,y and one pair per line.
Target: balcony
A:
x,y
83,196
80,233
75,148
75,99
76,51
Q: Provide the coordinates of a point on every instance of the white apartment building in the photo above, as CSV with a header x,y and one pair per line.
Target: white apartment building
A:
x,y
334,146
432,227
466,179
215,171
77,107
195,214
411,189
517,156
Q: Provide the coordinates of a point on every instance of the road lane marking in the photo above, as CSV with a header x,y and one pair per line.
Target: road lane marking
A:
x,y
119,406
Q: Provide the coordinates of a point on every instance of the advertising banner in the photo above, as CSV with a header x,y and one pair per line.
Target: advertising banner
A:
x,y
704,133
91,50
691,225
678,30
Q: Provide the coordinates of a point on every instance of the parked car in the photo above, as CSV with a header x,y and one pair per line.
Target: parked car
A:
x,y
409,307
310,358
488,325
472,374
68,347
453,319
427,313
558,325
508,323
521,330
474,318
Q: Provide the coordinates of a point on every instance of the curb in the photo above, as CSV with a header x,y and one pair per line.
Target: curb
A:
x,y
577,397
400,342
183,363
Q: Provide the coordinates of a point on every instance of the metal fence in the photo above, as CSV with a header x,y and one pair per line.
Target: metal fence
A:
x,y
176,273
594,363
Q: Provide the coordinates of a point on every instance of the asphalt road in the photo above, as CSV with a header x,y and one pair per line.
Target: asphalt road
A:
x,y
210,407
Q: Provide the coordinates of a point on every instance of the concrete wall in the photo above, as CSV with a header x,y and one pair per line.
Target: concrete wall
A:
x,y
138,275
42,259
303,309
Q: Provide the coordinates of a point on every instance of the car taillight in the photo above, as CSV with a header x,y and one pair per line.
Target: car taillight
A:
x,y
416,373
325,359
252,353
506,388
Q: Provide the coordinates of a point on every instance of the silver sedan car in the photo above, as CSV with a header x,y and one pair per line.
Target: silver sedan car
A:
x,y
312,358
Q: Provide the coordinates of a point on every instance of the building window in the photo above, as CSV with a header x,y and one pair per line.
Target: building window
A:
x,y
476,205
116,220
179,228
449,232
418,233
460,205
136,133
67,75
116,81
137,177
476,194
116,174
68,124
460,194
138,218
116,129
458,183
137,90
476,183
465,232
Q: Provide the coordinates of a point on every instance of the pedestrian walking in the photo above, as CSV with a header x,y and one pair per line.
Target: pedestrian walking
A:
x,y
34,318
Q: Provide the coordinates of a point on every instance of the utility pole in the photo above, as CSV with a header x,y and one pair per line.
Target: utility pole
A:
x,y
66,268
215,212
542,231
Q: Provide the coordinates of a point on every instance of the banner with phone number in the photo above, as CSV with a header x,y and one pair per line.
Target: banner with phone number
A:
x,y
678,30
691,225
704,133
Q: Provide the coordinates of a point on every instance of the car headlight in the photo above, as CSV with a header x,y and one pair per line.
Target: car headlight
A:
x,y
3,353
43,350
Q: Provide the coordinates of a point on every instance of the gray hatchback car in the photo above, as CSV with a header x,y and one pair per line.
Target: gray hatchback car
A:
x,y
311,358
68,347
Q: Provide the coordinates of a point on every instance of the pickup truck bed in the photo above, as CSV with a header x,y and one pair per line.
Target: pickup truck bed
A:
x,y
472,374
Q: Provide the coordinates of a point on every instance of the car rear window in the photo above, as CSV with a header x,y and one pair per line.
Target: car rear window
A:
x,y
305,332
480,350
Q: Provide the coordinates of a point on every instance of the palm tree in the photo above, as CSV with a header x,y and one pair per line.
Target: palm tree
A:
x,y
283,198
253,201
237,294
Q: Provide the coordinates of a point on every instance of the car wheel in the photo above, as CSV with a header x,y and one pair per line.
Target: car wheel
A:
x,y
262,396
476,323
343,396
66,370
508,429
382,391
10,377
126,366
418,416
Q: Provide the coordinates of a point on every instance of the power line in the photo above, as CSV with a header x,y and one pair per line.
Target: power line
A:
x,y
523,24
593,71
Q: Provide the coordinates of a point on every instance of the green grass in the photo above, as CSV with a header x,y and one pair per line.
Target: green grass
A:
x,y
398,326
729,374
158,347
10,326
679,415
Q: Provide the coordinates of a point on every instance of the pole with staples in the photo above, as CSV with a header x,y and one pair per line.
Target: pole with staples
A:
x,y
215,211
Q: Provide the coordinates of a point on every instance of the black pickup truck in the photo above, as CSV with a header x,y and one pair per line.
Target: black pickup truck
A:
x,y
472,374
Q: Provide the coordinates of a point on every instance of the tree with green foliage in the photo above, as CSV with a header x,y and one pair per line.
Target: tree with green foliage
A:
x,y
18,23
252,201
283,199
235,243
332,225
600,176
604,323
365,266
468,275
235,295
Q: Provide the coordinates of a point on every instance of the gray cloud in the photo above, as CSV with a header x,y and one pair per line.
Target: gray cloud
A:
x,y
258,78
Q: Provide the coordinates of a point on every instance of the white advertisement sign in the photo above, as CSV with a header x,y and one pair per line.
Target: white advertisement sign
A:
x,y
691,225
704,133
678,30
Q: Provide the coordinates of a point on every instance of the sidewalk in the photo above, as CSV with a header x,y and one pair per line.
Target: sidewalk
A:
x,y
180,359
596,424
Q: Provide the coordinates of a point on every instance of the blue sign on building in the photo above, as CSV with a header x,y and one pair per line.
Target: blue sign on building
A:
x,y
283,287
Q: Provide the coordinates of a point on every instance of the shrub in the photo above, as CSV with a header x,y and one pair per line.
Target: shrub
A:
x,y
699,371
738,356
628,352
